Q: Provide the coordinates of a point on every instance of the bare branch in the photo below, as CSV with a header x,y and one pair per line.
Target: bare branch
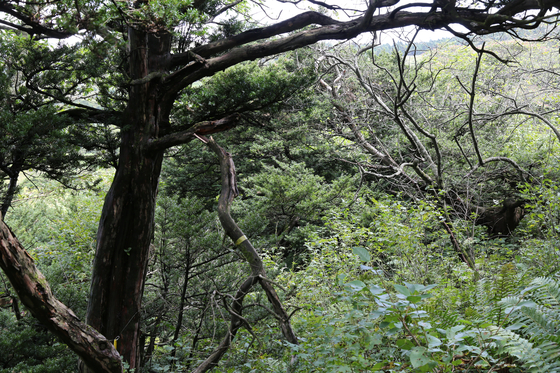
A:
x,y
541,118
224,9
227,194
472,94
463,255
236,323
498,159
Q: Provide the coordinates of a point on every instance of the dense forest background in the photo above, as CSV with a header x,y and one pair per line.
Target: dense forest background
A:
x,y
404,199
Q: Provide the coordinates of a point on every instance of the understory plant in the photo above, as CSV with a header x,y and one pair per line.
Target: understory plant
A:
x,y
376,325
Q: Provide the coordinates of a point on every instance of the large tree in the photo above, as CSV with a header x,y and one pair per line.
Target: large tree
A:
x,y
164,47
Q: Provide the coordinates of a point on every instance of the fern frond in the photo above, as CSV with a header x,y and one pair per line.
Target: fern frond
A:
x,y
443,318
537,309
541,323
492,291
547,290
533,358
551,353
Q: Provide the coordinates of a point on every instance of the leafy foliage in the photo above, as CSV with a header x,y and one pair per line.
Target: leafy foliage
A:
x,y
45,217
537,310
247,87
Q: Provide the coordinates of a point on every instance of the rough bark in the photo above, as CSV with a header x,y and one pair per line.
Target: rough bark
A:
x,y
127,220
13,173
12,186
32,288
229,191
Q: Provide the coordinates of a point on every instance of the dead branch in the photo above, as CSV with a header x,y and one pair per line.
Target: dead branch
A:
x,y
258,274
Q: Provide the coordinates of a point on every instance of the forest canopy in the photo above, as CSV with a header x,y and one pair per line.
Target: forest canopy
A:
x,y
206,191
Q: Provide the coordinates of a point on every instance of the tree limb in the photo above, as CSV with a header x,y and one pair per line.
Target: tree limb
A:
x,y
202,128
236,323
292,24
498,159
472,94
541,118
329,29
228,193
34,292
33,27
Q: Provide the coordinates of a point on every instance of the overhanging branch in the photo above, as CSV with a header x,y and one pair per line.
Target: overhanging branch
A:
x,y
202,129
32,27
292,24
238,49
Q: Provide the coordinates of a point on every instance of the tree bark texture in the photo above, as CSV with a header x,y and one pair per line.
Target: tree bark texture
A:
x,y
127,220
93,348
229,191
10,193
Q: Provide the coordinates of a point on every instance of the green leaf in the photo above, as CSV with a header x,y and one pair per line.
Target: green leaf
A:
x,y
402,289
405,344
433,341
355,285
384,324
414,298
378,366
362,253
376,290
417,357
373,340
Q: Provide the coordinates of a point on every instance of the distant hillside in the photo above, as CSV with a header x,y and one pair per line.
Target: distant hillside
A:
x,y
540,33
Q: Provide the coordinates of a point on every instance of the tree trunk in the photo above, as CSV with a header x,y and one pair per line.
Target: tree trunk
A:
x,y
127,220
